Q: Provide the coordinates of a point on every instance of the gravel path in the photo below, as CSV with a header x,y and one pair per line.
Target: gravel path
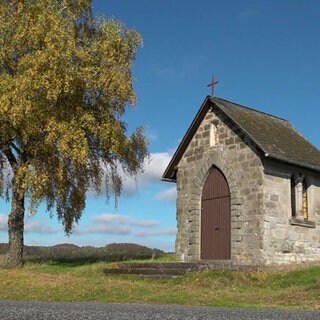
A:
x,y
22,310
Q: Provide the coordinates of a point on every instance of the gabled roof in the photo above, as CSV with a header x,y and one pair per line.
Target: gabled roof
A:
x,y
274,137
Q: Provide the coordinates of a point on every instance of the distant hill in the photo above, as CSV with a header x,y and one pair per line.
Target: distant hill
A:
x,y
66,246
116,248
70,252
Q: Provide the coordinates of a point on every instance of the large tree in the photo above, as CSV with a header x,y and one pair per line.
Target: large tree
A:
x,y
65,83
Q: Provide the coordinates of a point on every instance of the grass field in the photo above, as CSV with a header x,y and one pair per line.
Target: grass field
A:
x,y
86,282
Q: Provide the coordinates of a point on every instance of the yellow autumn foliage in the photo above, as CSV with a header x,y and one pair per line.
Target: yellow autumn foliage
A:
x,y
65,83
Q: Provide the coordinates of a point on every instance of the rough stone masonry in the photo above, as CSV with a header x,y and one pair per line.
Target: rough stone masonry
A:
x,y
258,154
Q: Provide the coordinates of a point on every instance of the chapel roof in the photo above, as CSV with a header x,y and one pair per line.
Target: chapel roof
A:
x,y
275,137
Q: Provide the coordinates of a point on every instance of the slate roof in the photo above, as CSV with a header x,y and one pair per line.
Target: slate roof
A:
x,y
275,137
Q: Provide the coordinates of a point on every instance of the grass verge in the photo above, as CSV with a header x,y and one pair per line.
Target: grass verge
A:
x,y
73,282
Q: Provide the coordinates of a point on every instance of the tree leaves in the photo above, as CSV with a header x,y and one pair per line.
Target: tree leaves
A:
x,y
65,82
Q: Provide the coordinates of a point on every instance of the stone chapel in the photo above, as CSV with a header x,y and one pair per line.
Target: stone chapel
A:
x,y
248,188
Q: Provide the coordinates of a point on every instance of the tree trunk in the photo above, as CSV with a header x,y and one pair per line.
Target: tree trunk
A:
x,y
15,229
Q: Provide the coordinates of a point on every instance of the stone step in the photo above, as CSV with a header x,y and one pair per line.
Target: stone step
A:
x,y
156,269
218,264
165,265
147,271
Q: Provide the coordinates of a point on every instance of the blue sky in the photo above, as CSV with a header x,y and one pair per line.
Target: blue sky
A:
x,y
266,55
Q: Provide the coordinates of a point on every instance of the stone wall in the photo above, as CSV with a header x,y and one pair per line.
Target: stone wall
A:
x,y
240,162
285,243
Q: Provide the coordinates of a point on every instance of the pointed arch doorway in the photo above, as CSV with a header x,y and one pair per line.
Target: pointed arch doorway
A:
x,y
215,217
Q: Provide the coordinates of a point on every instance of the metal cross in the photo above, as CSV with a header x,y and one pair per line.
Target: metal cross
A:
x,y
212,84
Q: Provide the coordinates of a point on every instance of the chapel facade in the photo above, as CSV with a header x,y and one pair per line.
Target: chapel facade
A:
x,y
248,189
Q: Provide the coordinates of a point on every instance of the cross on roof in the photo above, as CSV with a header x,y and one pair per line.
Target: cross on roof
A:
x,y
212,84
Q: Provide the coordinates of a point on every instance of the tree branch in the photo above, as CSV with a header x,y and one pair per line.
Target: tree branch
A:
x,y
10,156
16,149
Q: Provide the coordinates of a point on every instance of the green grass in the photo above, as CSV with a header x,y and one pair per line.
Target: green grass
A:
x,y
298,289
169,257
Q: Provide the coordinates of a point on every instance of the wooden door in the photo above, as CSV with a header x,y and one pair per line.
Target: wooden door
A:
x,y
215,218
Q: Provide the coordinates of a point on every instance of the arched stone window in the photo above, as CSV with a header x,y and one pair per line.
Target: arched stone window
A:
x,y
299,197
214,134
305,199
299,201
293,197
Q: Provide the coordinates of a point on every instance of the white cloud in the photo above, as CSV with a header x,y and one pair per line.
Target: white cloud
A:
x,y
39,227
110,218
107,223
148,233
112,228
145,223
122,219
29,227
167,195
154,167
114,224
153,170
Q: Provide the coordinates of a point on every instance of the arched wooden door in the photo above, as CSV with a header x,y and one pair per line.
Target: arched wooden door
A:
x,y
216,218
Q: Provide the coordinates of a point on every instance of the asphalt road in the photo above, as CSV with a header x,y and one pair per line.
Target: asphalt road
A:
x,y
12,310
